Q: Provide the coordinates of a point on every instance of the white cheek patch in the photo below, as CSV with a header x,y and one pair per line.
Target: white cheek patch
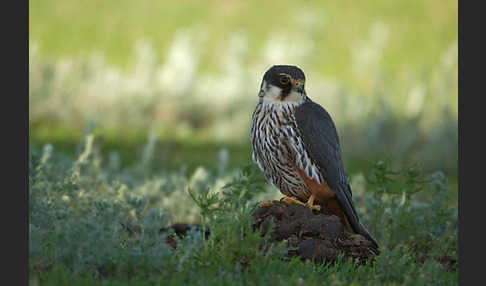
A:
x,y
272,92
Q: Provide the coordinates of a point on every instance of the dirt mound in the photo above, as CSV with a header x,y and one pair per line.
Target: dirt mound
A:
x,y
315,236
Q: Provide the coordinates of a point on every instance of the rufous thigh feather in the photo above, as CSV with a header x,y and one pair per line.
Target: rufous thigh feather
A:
x,y
325,197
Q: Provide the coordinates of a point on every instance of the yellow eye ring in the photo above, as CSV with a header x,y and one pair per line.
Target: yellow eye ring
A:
x,y
284,80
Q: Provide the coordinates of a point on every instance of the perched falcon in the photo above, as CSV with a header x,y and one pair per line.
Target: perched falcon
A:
x,y
296,145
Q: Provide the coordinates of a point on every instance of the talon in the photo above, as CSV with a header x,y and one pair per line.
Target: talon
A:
x,y
314,207
292,200
310,204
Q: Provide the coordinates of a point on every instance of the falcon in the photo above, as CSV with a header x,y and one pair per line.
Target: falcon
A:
x,y
296,145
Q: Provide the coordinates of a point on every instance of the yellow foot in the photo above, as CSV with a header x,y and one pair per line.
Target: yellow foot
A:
x,y
310,204
292,200
265,204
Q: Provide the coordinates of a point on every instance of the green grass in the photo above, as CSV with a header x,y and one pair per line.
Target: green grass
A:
x,y
416,29
80,210
167,89
388,138
189,71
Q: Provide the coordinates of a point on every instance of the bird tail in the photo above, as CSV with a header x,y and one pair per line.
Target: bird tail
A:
x,y
352,217
364,232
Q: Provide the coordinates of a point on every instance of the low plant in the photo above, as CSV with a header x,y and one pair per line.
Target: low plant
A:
x,y
92,223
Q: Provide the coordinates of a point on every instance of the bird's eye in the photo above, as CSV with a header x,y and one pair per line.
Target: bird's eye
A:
x,y
284,80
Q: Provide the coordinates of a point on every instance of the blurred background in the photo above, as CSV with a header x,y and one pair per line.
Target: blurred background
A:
x,y
181,77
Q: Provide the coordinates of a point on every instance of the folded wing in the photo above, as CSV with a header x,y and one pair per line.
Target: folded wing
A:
x,y
321,141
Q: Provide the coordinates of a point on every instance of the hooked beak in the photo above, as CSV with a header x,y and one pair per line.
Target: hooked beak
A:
x,y
298,86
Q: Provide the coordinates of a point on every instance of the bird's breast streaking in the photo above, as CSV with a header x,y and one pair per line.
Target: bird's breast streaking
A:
x,y
278,149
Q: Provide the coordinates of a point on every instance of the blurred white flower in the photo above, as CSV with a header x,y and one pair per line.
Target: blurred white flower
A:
x,y
368,53
178,73
287,49
415,101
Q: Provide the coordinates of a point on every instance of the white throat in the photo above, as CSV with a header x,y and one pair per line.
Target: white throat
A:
x,y
271,94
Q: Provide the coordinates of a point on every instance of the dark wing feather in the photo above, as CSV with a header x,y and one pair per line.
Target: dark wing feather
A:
x,y
321,140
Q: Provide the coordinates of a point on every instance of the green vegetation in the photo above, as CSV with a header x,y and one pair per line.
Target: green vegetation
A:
x,y
96,223
189,72
415,31
140,112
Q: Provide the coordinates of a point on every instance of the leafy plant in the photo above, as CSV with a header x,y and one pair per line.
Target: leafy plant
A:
x,y
90,223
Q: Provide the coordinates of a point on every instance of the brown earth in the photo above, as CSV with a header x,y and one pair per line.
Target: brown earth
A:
x,y
315,236
180,229
312,235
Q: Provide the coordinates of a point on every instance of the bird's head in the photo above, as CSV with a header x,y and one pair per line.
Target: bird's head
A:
x,y
283,84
